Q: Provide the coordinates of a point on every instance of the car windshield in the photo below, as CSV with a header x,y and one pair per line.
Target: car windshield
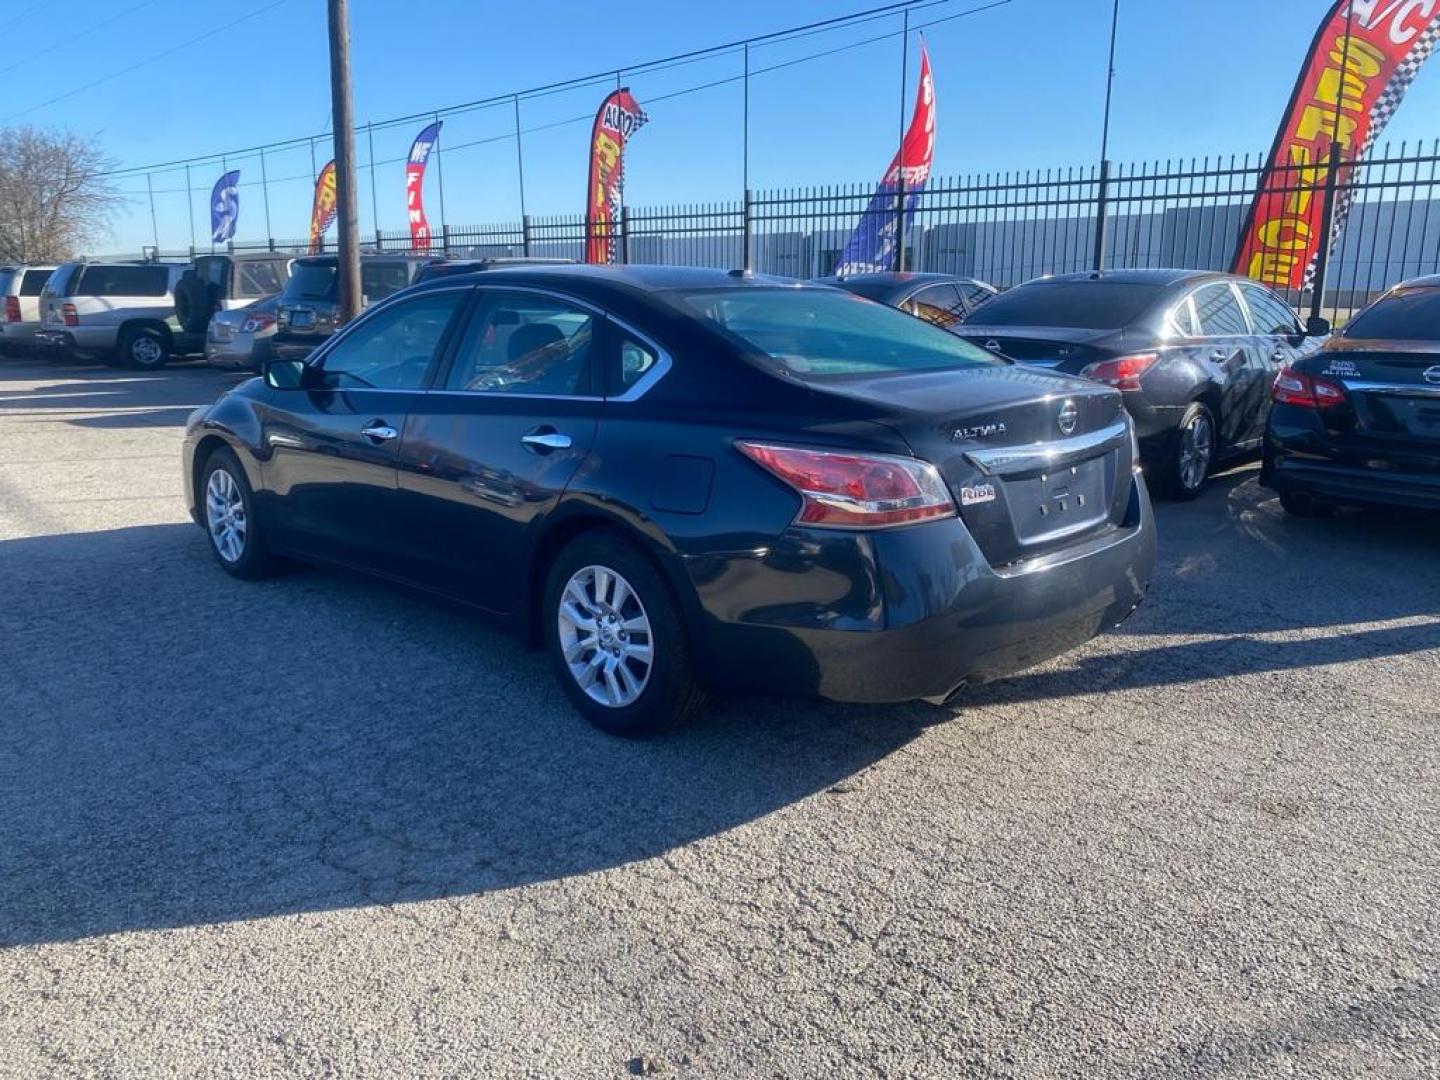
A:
x,y
311,281
1082,305
815,332
1406,315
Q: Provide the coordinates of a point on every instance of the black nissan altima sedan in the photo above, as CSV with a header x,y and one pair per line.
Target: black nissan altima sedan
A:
x,y
685,480
1193,352
1359,422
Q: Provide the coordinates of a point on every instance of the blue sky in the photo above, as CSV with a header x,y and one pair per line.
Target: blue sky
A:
x,y
1018,87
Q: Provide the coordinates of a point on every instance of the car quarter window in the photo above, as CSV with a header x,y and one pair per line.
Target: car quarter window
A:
x,y
974,295
524,343
636,358
393,348
99,280
1268,312
1218,311
1182,319
938,304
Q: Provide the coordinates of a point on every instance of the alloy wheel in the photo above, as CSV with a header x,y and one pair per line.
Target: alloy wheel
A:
x,y
225,515
146,351
1197,447
605,636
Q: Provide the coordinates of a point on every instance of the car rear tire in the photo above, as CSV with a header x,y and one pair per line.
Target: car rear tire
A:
x,y
1191,454
617,640
1299,504
227,510
144,348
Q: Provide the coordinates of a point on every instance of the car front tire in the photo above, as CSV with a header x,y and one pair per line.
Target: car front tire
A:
x,y
227,511
616,638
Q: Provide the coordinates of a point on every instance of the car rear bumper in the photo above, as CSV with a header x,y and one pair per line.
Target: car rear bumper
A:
x,y
19,335
243,352
78,341
1335,481
910,613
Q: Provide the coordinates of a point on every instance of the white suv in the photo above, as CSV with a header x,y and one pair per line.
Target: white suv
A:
x,y
20,305
123,313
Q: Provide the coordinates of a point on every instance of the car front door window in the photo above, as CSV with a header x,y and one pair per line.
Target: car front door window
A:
x,y
393,348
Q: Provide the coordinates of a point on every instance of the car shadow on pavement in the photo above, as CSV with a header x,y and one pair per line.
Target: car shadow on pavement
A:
x,y
180,748
101,397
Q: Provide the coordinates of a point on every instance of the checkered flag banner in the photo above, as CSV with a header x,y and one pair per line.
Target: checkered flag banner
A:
x,y
1389,101
1361,63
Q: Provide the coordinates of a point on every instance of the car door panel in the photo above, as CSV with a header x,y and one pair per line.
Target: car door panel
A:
x,y
1226,355
488,453
331,453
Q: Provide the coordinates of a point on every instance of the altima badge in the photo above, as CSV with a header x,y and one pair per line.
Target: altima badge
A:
x,y
1068,418
979,431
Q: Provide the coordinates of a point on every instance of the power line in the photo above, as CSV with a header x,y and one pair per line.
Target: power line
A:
x,y
643,67
69,39
143,63
649,100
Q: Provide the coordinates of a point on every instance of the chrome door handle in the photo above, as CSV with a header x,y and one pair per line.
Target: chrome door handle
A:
x,y
380,432
547,440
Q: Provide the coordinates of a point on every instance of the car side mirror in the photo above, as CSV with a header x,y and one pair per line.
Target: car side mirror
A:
x,y
288,374
1315,326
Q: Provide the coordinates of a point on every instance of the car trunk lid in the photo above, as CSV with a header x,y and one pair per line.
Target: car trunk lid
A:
x,y
1393,387
1035,461
1062,348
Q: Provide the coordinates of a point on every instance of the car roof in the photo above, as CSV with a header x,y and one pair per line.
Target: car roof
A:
x,y
894,277
365,256
1163,277
634,278
1429,281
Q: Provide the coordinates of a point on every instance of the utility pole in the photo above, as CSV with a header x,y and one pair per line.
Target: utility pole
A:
x,y
347,213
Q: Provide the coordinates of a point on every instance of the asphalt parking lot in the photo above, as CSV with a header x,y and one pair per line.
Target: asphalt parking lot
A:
x,y
320,826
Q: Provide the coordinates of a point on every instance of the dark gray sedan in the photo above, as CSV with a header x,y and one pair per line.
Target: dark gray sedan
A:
x,y
942,299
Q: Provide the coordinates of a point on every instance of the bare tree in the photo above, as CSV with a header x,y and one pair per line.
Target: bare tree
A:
x,y
54,199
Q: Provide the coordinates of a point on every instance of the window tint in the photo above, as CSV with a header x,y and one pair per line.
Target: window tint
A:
x,y
1083,305
394,347
518,343
124,281
7,278
212,271
379,280
258,278
34,281
1218,311
1407,315
818,332
311,281
1270,314
635,360
63,279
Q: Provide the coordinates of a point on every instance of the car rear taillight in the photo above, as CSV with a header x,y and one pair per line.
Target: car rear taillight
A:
x,y
1123,372
1306,391
12,309
856,491
72,317
257,323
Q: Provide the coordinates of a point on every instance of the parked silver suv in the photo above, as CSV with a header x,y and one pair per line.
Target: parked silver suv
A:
x,y
20,288
123,313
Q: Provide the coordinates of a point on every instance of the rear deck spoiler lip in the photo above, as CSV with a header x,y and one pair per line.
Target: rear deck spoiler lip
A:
x,y
1012,460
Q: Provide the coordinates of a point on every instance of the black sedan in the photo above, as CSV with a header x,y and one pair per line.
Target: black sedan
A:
x,y
1193,352
942,299
684,479
1359,422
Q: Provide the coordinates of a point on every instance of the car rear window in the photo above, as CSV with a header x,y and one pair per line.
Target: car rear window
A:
x,y
1407,315
311,281
124,281
1083,305
817,333
34,281
259,278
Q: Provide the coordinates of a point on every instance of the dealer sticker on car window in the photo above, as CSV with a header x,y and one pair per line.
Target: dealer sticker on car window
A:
x,y
974,496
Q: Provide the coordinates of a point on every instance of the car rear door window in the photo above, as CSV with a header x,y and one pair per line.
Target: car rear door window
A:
x,y
1270,314
522,343
124,281
1219,312
394,348
34,281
